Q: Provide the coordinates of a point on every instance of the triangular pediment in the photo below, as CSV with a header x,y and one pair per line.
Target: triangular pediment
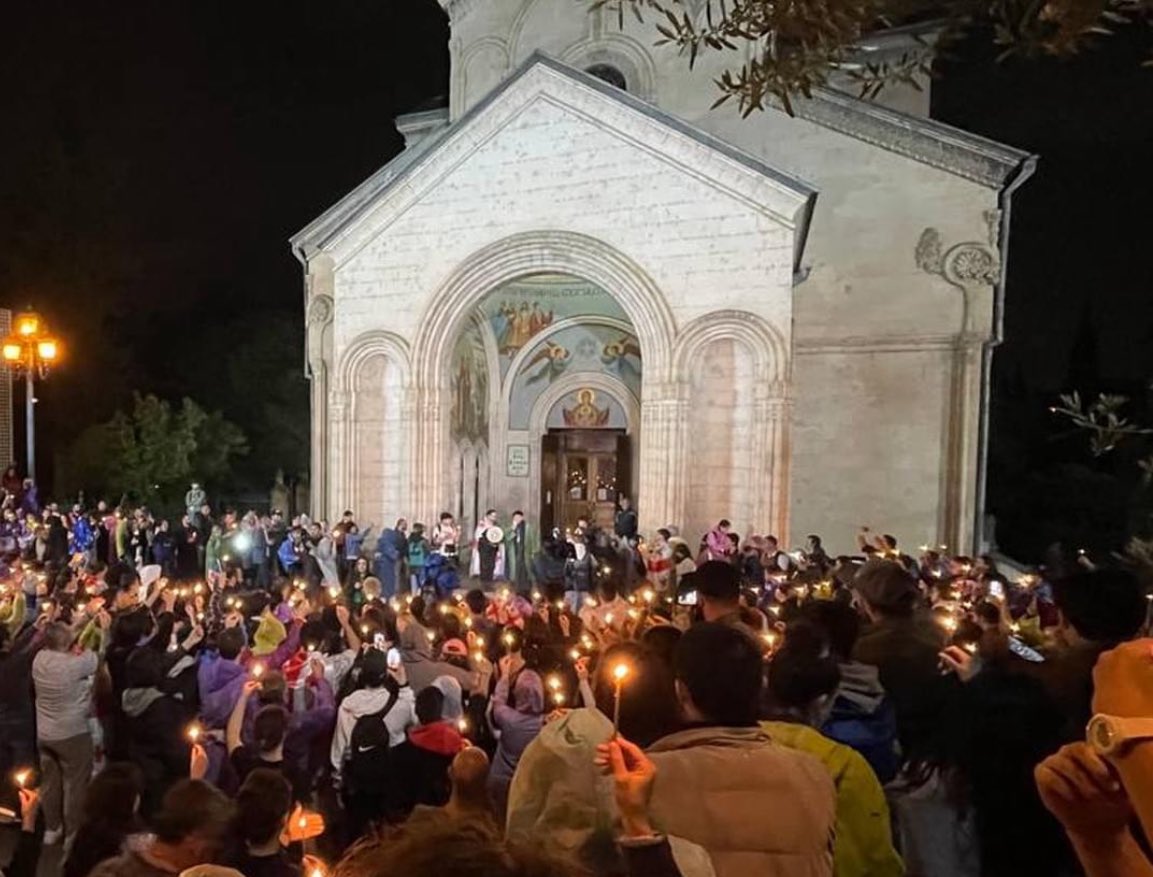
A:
x,y
543,92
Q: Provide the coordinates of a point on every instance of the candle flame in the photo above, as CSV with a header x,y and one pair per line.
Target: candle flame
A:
x,y
620,672
257,671
22,777
194,732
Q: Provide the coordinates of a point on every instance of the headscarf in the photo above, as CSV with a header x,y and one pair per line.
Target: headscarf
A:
x,y
453,696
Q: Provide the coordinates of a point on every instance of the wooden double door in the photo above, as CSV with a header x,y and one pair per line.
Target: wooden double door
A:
x,y
583,474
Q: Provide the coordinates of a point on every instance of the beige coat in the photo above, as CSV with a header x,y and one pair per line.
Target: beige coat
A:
x,y
760,809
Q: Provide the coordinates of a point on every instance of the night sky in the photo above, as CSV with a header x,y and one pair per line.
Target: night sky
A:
x,y
156,156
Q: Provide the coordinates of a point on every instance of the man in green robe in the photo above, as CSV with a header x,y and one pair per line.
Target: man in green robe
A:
x,y
517,552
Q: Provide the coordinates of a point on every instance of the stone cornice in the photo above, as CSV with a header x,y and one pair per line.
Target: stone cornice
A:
x,y
933,143
878,344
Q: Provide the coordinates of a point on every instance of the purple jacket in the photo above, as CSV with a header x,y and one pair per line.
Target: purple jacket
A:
x,y
518,725
307,721
220,682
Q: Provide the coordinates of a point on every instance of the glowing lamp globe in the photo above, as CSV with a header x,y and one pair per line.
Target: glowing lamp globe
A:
x,y
27,324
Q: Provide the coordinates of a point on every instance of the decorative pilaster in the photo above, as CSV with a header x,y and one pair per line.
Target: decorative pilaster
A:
x,y
663,463
318,341
340,456
772,428
969,266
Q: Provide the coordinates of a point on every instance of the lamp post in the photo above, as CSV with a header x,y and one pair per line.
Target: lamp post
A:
x,y
30,350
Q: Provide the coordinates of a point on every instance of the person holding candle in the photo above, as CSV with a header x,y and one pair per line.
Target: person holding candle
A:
x,y
552,793
63,683
903,643
17,713
518,715
155,726
1024,705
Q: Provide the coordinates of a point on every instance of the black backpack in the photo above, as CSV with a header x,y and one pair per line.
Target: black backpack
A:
x,y
368,768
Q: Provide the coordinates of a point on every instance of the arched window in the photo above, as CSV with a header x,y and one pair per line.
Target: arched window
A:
x,y
610,74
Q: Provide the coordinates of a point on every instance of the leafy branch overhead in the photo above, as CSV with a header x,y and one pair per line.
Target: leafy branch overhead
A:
x,y
1102,420
790,47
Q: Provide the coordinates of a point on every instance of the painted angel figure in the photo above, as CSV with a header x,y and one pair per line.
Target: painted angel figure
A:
x,y
615,357
555,358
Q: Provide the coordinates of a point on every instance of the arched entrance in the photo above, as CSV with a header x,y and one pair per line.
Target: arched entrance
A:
x,y
493,315
545,381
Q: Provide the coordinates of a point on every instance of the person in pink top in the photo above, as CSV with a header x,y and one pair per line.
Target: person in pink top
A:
x,y
718,546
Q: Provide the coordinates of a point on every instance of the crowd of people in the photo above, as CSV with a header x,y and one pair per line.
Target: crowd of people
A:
x,y
279,697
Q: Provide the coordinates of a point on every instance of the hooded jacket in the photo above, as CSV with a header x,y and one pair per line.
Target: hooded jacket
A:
x,y
754,805
156,741
864,841
420,666
863,718
519,719
220,681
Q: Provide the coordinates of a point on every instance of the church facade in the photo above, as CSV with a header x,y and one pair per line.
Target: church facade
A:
x,y
578,282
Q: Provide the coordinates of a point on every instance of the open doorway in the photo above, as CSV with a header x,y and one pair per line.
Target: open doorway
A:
x,y
583,474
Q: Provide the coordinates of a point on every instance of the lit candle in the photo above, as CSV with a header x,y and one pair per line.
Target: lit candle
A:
x,y
575,654
620,673
334,591
257,670
462,725
508,639
648,595
194,732
22,777
430,636
536,596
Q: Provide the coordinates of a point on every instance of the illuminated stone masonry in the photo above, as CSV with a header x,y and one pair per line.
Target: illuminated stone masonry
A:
x,y
564,290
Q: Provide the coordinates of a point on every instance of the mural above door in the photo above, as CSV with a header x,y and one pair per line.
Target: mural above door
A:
x,y
587,409
521,310
583,348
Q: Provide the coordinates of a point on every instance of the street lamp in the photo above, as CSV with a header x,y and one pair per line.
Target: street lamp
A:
x,y
32,350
